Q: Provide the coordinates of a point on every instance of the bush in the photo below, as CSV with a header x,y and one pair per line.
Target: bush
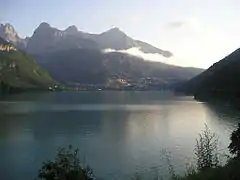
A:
x,y
66,166
206,150
234,146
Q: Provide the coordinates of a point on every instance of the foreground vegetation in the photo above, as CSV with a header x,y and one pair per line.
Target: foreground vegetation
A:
x,y
67,165
208,164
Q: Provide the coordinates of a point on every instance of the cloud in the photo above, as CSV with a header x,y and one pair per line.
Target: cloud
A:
x,y
190,23
135,51
176,24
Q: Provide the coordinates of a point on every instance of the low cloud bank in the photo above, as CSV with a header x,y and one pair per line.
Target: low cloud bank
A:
x,y
135,51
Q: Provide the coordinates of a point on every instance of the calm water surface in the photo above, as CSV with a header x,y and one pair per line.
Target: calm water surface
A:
x,y
119,134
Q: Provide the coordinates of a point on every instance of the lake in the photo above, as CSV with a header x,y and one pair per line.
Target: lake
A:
x,y
119,134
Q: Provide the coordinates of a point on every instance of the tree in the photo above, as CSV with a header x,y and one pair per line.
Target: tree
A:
x,y
206,150
66,166
234,146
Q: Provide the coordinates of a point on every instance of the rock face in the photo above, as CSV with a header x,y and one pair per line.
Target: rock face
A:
x,y
8,33
49,39
72,30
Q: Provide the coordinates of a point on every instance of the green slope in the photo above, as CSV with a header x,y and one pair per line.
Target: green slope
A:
x,y
18,70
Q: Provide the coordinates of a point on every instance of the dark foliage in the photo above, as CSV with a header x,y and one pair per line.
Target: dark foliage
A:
x,y
221,81
65,166
206,150
234,146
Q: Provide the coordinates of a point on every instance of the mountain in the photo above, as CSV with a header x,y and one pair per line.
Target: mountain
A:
x,y
8,33
118,40
75,57
85,66
19,71
49,39
220,81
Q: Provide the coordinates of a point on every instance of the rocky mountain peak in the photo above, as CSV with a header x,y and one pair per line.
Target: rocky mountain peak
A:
x,y
114,31
42,28
8,33
8,27
44,25
72,29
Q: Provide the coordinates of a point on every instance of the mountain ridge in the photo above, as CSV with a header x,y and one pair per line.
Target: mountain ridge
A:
x,y
220,81
71,37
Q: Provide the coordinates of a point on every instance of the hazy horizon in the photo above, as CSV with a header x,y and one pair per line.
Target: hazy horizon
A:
x,y
198,33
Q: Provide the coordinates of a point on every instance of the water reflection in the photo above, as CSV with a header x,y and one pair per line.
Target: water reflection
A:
x,y
117,133
223,120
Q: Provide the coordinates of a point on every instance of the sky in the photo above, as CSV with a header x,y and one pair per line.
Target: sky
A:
x,y
198,32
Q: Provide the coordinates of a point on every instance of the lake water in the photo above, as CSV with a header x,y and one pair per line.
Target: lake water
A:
x,y
119,134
